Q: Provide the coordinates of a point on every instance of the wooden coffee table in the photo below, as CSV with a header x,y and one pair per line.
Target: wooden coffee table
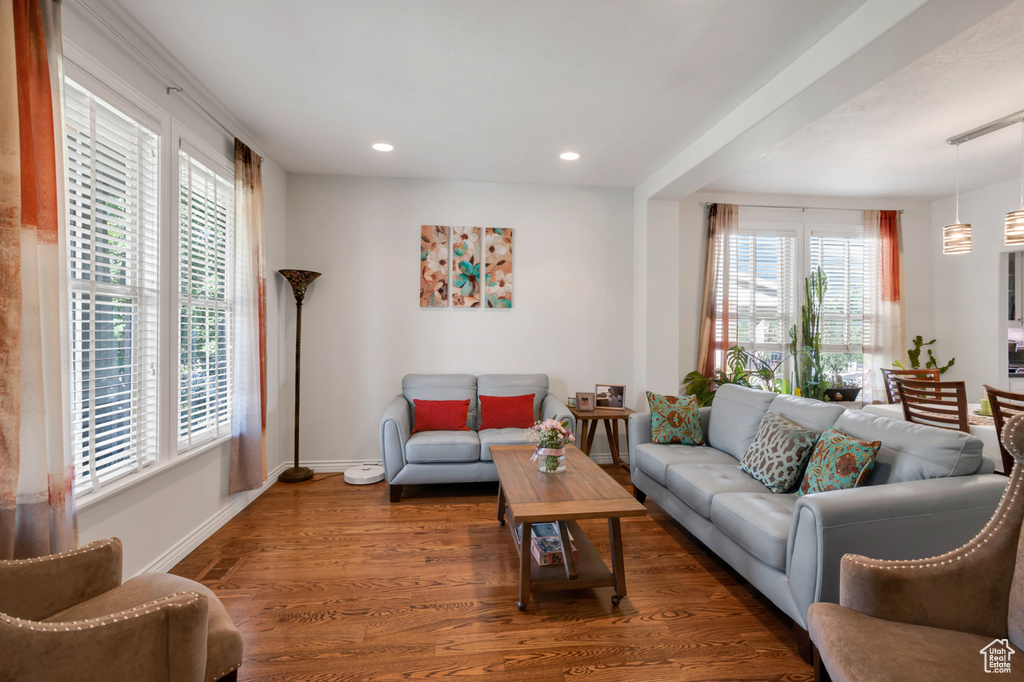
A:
x,y
583,491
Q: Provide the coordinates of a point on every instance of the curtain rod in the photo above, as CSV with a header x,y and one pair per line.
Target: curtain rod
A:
x,y
173,87
799,208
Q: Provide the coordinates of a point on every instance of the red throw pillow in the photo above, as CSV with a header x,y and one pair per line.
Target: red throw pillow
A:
x,y
506,412
441,415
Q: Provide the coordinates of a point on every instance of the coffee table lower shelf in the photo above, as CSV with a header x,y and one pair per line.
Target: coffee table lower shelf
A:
x,y
590,569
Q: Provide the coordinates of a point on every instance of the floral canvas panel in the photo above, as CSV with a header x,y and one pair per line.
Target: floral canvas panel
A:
x,y
466,267
434,266
499,267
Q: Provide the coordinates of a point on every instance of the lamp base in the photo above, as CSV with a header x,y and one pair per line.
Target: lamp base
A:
x,y
295,475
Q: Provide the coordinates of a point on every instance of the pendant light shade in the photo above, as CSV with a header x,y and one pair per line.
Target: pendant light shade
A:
x,y
956,238
1013,231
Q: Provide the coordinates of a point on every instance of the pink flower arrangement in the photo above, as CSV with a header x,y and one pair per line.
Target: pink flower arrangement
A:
x,y
551,433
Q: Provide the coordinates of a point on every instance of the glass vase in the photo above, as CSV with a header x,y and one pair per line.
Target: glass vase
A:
x,y
551,460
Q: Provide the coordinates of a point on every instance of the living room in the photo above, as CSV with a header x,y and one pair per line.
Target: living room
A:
x,y
840,105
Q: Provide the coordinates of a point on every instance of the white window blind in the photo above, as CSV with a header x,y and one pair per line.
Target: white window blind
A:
x,y
205,290
761,289
113,242
841,256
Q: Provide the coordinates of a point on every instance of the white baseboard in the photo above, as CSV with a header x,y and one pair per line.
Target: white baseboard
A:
x,y
181,549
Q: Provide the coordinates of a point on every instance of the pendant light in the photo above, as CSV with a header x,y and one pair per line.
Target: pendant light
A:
x,y
956,238
1013,232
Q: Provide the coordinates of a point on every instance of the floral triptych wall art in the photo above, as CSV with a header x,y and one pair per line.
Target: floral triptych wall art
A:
x,y
469,265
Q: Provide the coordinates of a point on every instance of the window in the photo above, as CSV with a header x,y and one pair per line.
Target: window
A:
x,y
205,290
112,250
761,288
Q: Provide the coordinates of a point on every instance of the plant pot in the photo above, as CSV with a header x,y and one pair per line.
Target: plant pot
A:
x,y
842,394
550,460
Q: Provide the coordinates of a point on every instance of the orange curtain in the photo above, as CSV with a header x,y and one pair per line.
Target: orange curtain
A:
x,y
889,236
249,400
37,510
723,226
885,339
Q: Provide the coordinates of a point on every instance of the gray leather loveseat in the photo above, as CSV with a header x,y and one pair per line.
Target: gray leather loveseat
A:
x,y
455,456
931,490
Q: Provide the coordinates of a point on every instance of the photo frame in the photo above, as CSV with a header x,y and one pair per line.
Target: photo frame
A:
x,y
571,401
585,402
611,396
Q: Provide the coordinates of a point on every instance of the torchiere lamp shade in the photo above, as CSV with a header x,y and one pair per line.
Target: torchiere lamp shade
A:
x,y
299,279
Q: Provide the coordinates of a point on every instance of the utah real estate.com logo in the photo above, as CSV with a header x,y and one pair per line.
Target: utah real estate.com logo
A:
x,y
997,656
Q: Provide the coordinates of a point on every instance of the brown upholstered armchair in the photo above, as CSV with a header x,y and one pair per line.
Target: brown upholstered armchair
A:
x,y
929,619
68,616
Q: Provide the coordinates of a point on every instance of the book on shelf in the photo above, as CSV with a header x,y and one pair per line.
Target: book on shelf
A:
x,y
546,544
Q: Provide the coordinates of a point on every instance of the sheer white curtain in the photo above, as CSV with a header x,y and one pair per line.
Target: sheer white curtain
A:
x,y
885,337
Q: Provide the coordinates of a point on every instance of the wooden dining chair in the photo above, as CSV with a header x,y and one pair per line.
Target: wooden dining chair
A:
x,y
890,376
1004,405
934,403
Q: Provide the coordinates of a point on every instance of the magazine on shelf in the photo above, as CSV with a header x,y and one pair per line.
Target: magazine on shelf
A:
x,y
546,544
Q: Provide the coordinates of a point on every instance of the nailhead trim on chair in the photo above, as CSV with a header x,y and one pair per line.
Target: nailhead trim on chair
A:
x,y
51,557
941,560
148,607
214,678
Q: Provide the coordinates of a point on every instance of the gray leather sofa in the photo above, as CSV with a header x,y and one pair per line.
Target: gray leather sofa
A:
x,y
455,456
931,490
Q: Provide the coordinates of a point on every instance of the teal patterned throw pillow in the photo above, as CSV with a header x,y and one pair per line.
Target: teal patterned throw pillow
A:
x,y
675,419
839,461
779,452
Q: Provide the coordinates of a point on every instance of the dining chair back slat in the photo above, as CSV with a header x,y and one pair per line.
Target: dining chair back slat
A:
x,y
1004,405
891,375
934,403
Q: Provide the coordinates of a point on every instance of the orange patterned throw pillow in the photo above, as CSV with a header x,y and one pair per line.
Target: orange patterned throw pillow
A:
x,y
675,419
839,461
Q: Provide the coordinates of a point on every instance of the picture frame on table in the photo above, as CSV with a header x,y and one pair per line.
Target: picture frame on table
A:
x,y
612,396
571,401
585,402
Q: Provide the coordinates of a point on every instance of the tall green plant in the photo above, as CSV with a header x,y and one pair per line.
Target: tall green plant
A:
x,y
810,375
914,355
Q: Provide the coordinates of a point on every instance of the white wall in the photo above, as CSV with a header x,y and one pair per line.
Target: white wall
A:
x,y
688,244
362,328
164,516
970,320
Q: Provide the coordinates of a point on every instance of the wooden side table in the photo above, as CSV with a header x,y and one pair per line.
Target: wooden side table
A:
x,y
611,418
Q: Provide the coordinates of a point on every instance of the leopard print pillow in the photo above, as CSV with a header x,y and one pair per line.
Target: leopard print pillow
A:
x,y
779,452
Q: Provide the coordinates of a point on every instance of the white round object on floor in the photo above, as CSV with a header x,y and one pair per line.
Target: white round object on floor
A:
x,y
362,475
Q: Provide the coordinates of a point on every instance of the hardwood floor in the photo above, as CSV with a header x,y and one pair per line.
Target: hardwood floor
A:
x,y
329,581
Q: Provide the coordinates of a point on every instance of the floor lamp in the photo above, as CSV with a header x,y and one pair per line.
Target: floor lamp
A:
x,y
299,279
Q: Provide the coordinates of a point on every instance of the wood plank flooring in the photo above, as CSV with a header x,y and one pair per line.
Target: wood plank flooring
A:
x,y
329,581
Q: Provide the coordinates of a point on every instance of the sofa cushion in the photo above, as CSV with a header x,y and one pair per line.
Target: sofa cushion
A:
x,y
654,460
840,461
515,384
675,419
810,414
735,416
506,412
442,387
428,447
779,453
912,452
440,415
489,437
758,522
697,484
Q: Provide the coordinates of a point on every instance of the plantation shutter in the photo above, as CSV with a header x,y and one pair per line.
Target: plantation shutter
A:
x,y
205,290
761,288
841,256
112,246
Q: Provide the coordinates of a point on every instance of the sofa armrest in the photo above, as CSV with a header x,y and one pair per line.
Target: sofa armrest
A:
x,y
553,408
911,519
35,589
638,427
165,639
395,429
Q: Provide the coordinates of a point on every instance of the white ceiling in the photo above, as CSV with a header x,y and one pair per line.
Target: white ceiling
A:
x,y
890,140
487,90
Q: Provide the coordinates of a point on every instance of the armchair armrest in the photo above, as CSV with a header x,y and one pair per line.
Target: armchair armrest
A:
x,y
966,589
35,589
553,408
909,519
162,639
395,429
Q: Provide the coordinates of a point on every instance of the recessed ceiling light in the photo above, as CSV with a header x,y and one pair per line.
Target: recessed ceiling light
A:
x,y
383,147
568,156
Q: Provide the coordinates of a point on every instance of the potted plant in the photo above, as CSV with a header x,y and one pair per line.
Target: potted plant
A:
x,y
839,389
914,356
551,437
809,370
